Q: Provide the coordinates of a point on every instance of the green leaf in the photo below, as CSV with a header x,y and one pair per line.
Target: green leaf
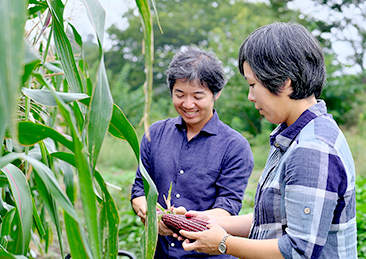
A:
x,y
75,235
47,177
9,219
31,133
12,52
37,220
50,205
3,181
52,67
151,225
77,241
77,36
22,197
63,47
112,219
68,180
6,255
121,128
45,97
101,104
32,59
100,112
84,177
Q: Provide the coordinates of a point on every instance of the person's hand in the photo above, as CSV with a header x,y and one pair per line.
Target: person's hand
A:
x,y
205,241
197,214
200,215
180,210
164,230
139,205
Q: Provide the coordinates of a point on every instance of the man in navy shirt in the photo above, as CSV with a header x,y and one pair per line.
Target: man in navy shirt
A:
x,y
207,162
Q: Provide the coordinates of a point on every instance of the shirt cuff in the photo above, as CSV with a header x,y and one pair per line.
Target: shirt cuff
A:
x,y
231,206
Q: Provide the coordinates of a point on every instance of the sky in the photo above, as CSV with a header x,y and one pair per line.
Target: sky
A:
x,y
75,13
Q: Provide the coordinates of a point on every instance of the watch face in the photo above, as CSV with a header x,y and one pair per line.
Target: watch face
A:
x,y
222,248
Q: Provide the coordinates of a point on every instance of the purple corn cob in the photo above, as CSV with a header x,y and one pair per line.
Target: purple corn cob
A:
x,y
177,222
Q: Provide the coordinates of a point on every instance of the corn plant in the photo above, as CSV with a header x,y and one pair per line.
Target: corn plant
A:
x,y
53,122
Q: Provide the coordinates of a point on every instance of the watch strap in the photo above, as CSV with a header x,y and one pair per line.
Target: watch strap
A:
x,y
223,242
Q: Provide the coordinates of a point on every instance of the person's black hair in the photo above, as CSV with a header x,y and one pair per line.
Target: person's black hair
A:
x,y
195,64
281,51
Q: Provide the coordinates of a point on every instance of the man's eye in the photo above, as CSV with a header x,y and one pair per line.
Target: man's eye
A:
x,y
198,98
179,96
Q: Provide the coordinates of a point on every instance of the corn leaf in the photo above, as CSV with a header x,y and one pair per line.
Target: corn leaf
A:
x,y
6,255
77,241
121,128
22,198
31,133
108,207
12,52
63,47
150,236
68,180
84,177
51,207
8,213
111,219
101,105
100,113
37,220
46,98
31,61
75,235
47,177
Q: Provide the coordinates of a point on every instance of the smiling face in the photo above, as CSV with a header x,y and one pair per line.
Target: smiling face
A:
x,y
194,103
275,108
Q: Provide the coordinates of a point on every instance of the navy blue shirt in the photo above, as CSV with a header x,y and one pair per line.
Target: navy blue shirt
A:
x,y
209,171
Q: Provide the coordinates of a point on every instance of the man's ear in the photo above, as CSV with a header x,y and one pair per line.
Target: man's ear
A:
x,y
217,96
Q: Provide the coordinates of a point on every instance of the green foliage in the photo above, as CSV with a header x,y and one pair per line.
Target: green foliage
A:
x,y
131,228
361,216
58,133
221,26
345,97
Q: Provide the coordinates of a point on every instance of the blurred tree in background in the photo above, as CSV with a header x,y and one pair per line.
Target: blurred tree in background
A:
x,y
221,26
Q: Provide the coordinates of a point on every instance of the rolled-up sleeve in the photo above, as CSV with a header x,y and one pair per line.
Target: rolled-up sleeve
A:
x,y
315,184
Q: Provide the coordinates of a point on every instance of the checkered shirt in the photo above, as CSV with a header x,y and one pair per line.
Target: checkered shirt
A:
x,y
306,194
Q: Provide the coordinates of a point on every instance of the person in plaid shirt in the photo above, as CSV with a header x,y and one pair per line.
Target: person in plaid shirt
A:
x,y
305,199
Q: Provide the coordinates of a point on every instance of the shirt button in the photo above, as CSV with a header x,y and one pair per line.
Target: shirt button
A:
x,y
177,195
276,144
172,244
181,172
307,210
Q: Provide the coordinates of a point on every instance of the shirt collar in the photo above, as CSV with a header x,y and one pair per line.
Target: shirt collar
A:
x,y
210,127
282,136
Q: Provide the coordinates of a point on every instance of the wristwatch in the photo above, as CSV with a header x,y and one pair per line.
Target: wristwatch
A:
x,y
222,245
